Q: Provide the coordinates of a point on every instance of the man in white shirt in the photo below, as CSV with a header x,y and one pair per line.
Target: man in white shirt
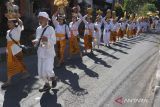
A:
x,y
46,51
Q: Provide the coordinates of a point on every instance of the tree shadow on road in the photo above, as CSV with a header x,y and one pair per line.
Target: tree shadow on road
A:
x,y
15,93
49,99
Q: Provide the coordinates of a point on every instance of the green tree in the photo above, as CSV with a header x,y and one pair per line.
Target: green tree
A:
x,y
147,7
119,10
133,6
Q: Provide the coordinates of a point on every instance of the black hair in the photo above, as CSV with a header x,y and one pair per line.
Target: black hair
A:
x,y
16,23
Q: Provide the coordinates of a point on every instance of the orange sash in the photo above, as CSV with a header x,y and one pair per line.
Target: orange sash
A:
x,y
15,64
60,35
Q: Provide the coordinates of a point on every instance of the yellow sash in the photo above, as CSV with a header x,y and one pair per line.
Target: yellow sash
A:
x,y
10,55
60,35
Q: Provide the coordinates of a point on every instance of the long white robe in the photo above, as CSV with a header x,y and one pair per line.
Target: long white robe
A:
x,y
106,31
98,34
46,53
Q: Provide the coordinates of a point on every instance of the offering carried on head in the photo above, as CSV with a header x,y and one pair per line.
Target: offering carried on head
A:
x,y
61,4
108,14
89,11
76,9
99,12
12,10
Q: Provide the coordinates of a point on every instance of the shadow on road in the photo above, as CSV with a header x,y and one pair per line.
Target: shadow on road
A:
x,y
64,75
121,45
78,63
17,92
106,54
99,60
3,74
49,99
124,44
118,50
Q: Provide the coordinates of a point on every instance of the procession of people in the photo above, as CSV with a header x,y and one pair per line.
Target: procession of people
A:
x,y
47,37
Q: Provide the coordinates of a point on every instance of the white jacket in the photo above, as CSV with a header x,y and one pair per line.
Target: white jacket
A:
x,y
48,50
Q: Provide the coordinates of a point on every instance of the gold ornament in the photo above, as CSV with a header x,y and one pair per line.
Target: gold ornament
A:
x,y
113,14
89,11
61,4
12,10
99,12
108,15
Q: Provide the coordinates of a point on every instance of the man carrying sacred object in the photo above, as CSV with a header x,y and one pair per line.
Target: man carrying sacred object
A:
x,y
45,34
15,64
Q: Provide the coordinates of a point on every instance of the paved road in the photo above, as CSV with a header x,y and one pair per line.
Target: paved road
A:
x,y
122,76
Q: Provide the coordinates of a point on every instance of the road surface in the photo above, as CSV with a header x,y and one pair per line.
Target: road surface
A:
x,y
120,76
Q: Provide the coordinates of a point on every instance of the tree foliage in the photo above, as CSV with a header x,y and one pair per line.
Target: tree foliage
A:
x,y
139,6
147,8
119,10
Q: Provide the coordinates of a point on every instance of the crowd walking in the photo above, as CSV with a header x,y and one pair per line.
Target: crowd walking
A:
x,y
52,41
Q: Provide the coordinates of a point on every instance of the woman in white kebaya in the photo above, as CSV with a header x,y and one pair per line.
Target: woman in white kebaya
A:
x,y
98,31
73,37
61,30
114,30
15,63
139,26
88,34
106,31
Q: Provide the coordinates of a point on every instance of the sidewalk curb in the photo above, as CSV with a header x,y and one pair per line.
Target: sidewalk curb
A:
x,y
157,77
156,87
